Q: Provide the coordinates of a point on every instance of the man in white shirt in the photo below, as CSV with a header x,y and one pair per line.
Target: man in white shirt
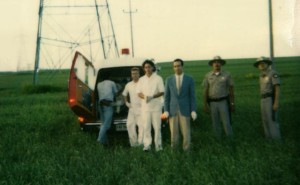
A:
x,y
134,113
107,90
150,89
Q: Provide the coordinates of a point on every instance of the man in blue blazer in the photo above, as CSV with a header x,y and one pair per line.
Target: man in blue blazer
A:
x,y
180,104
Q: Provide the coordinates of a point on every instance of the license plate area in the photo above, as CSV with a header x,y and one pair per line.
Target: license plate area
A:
x,y
121,127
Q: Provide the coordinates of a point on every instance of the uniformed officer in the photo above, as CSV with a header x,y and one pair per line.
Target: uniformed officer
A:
x,y
219,96
269,89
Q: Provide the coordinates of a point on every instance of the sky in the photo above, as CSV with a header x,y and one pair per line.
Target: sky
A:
x,y
162,29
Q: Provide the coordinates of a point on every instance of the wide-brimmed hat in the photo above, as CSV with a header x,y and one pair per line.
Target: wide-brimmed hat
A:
x,y
217,59
262,59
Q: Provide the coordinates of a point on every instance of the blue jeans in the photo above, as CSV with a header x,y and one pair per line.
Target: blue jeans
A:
x,y
106,114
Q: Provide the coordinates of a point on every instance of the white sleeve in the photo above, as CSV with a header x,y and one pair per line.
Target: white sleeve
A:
x,y
125,92
138,87
161,87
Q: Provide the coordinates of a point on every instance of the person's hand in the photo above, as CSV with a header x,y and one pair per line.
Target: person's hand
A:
x,y
232,109
165,115
128,105
194,115
149,98
141,95
206,108
275,106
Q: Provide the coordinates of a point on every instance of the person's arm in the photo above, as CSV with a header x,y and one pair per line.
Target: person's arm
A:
x,y
159,94
139,91
161,89
205,101
126,101
125,96
276,97
119,92
149,98
231,98
193,100
205,95
166,100
193,96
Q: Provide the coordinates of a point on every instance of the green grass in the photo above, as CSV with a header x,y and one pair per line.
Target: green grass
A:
x,y
41,142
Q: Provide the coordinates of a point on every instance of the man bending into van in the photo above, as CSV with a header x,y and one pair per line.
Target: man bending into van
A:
x,y
107,90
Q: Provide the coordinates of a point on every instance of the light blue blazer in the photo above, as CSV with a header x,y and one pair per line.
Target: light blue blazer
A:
x,y
185,101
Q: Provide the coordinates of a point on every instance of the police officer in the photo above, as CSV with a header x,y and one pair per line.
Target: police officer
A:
x,y
269,89
219,96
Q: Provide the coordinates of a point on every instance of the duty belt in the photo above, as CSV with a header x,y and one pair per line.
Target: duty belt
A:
x,y
266,95
217,99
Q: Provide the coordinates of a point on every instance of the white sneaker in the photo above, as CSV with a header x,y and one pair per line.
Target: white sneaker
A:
x,y
159,148
146,149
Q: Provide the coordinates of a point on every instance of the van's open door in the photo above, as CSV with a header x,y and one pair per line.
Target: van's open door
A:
x,y
82,81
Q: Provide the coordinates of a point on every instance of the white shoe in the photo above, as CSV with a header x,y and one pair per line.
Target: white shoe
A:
x,y
159,148
146,149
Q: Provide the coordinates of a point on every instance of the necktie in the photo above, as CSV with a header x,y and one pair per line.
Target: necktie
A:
x,y
178,84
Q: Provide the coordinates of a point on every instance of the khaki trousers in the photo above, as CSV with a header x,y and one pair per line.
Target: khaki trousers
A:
x,y
182,123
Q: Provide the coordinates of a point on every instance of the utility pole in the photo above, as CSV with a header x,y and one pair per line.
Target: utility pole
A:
x,y
271,32
131,31
38,43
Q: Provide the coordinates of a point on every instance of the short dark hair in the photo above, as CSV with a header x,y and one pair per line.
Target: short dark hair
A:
x,y
105,75
135,69
151,63
178,60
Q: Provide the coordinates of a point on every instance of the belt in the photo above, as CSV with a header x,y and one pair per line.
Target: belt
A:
x,y
105,102
217,99
266,95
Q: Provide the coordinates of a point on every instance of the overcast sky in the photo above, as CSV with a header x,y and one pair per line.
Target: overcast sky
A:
x,y
167,29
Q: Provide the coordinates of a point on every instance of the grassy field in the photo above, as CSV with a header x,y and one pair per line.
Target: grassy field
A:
x,y
41,142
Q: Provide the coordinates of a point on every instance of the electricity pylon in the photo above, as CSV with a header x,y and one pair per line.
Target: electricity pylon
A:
x,y
66,26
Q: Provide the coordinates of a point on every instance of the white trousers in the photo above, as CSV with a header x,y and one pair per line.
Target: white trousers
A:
x,y
134,120
154,118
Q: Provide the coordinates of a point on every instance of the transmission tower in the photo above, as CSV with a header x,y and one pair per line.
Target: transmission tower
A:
x,y
66,26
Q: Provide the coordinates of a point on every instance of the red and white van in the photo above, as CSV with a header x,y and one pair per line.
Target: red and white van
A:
x,y
83,80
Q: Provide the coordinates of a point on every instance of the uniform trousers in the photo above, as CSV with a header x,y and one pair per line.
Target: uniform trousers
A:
x,y
133,121
182,123
220,113
271,126
153,117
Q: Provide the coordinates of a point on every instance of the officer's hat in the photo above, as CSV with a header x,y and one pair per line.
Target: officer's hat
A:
x,y
217,59
262,59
